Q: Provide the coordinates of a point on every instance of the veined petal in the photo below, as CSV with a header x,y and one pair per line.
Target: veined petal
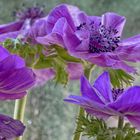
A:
x,y
135,121
10,128
4,53
102,84
13,96
38,29
114,21
126,102
71,40
74,12
92,106
19,80
11,27
12,62
10,35
88,92
56,36
130,41
100,115
129,49
59,12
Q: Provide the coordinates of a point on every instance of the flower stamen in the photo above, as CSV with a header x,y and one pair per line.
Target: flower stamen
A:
x,y
101,39
116,93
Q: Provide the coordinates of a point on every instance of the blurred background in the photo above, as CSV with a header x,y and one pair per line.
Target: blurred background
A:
x,y
47,116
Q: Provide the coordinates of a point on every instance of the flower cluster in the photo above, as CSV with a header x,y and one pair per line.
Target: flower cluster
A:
x,y
60,44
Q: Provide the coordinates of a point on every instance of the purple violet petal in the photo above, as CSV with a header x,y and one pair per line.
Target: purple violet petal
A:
x,y
58,12
114,21
88,91
102,84
127,100
11,27
10,128
135,121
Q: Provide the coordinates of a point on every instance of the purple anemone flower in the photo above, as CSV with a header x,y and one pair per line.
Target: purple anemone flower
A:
x,y
95,39
20,28
103,101
15,77
10,128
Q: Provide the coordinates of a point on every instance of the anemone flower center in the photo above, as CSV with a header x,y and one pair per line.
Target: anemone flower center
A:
x,y
101,39
30,13
117,92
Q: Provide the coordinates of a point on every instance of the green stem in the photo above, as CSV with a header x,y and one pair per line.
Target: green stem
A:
x,y
120,122
119,135
19,111
77,135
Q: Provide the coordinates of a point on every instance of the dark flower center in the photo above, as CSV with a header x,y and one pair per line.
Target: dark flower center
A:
x,y
116,93
102,39
30,13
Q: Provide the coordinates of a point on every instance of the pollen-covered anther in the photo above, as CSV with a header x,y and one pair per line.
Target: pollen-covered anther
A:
x,y
101,39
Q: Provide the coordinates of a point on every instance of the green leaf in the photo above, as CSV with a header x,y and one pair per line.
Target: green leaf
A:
x,y
119,78
97,129
64,54
61,74
43,62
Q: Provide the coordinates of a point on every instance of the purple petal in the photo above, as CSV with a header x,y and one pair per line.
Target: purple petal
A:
x,y
129,102
10,128
135,121
17,81
129,49
10,35
13,96
91,106
38,29
74,12
102,84
11,27
75,70
56,36
71,40
109,60
84,18
88,91
12,62
114,21
59,12
100,115
4,53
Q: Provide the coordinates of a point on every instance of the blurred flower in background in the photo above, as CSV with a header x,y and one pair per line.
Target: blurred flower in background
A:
x,y
10,128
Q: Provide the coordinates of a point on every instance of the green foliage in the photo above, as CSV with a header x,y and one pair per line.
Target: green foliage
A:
x,y
119,78
98,130
56,57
